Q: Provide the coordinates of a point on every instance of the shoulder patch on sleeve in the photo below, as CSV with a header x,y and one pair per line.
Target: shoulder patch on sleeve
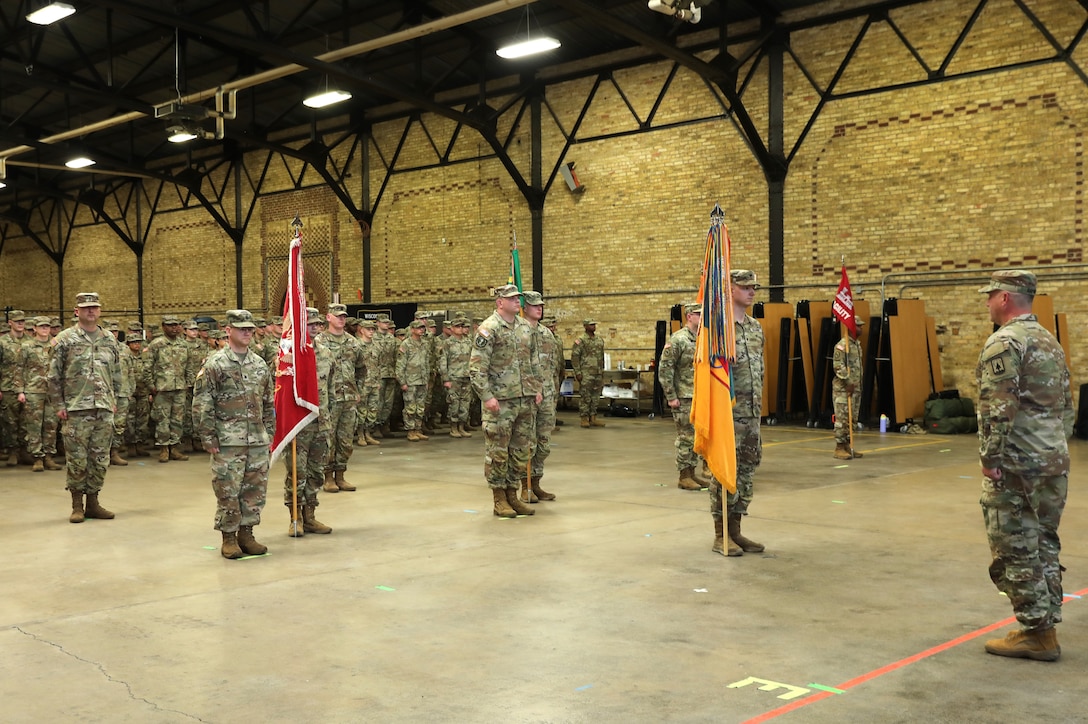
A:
x,y
483,331
481,340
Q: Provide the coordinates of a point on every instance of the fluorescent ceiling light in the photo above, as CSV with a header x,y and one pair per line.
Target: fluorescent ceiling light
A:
x,y
531,46
3,185
327,98
51,13
81,162
180,133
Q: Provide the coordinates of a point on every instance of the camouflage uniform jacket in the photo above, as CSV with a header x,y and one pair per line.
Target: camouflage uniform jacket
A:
x,y
165,361
324,359
747,369
195,360
86,370
504,360
130,368
560,360
414,362
1025,407
587,355
270,352
546,350
853,374
233,401
677,371
9,358
387,354
32,370
348,369
137,361
456,354
372,351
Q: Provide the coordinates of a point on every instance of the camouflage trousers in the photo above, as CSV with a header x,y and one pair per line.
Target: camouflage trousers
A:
x,y
12,433
187,414
312,450
508,441
439,403
475,409
749,455
589,394
341,434
369,408
389,391
120,419
40,423
139,413
545,424
168,415
415,401
685,436
459,395
1022,516
240,482
88,435
842,410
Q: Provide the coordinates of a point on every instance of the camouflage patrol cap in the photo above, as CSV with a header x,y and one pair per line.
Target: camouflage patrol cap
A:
x,y
693,308
16,315
589,322
135,327
420,315
744,278
507,290
203,326
533,298
1017,281
41,322
401,332
191,324
240,319
277,320
170,319
858,321
135,336
88,299
383,318
429,321
548,321
313,316
54,321
418,324
216,334
259,321
368,324
351,321
338,310
113,327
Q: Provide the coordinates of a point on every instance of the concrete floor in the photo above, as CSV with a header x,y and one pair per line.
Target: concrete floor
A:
x,y
606,606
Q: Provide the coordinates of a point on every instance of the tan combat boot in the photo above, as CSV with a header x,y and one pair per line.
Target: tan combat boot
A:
x,y
502,507
311,523
542,494
39,466
455,431
341,484
164,453
856,454
527,495
585,421
464,430
519,507
719,536
115,457
248,543
94,510
370,439
176,454
50,464
330,485
1038,645
295,527
230,547
77,515
687,480
746,544
841,453
360,441
421,436
594,422
412,436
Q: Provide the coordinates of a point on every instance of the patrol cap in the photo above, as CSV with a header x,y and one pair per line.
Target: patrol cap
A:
x,y
430,322
1016,281
533,298
240,319
313,316
54,321
203,326
135,327
41,322
694,308
400,332
588,322
191,324
507,290
259,321
170,319
383,318
368,324
338,310
548,321
420,315
858,321
135,337
114,327
418,324
88,299
460,322
351,321
744,278
16,315
277,320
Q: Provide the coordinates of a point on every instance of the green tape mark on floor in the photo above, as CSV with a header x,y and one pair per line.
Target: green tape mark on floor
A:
x,y
821,687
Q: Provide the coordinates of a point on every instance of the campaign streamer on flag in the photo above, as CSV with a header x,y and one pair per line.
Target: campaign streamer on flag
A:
x,y
843,306
296,396
712,404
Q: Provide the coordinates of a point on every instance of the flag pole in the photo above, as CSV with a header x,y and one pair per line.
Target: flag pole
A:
x,y
295,527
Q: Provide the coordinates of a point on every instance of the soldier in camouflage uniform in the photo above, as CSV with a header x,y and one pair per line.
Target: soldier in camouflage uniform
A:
x,y
12,430
676,372
560,361
125,394
271,351
436,393
32,386
387,370
165,362
83,380
587,359
544,418
139,411
234,416
506,375
1025,418
311,445
413,371
193,364
846,391
453,367
370,407
346,381
747,371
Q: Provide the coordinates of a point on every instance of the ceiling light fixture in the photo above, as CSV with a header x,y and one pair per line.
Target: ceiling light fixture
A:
x,y
50,14
80,162
519,48
3,185
326,98
181,133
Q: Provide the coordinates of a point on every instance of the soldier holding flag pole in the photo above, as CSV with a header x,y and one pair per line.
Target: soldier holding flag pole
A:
x,y
846,385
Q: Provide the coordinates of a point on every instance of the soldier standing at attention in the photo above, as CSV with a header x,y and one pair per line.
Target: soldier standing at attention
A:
x,y
11,410
846,390
140,409
371,406
544,421
587,359
1025,419
560,362
32,385
453,367
84,377
234,417
676,373
193,364
345,385
387,370
506,376
164,372
413,371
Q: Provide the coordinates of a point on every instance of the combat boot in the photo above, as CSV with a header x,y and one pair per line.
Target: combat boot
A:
x,y
719,536
164,453
132,450
594,422
421,436
1038,645
687,480
13,459
856,454
295,528
176,454
519,507
502,507
370,439
115,457
585,421
230,547
25,458
248,543
464,430
527,495
330,485
542,494
455,431
342,484
746,544
77,515
39,466
360,441
94,510
141,453
841,453
384,431
311,523
50,464
412,437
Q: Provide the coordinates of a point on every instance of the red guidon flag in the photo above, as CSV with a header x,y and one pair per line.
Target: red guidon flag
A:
x,y
297,396
843,306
